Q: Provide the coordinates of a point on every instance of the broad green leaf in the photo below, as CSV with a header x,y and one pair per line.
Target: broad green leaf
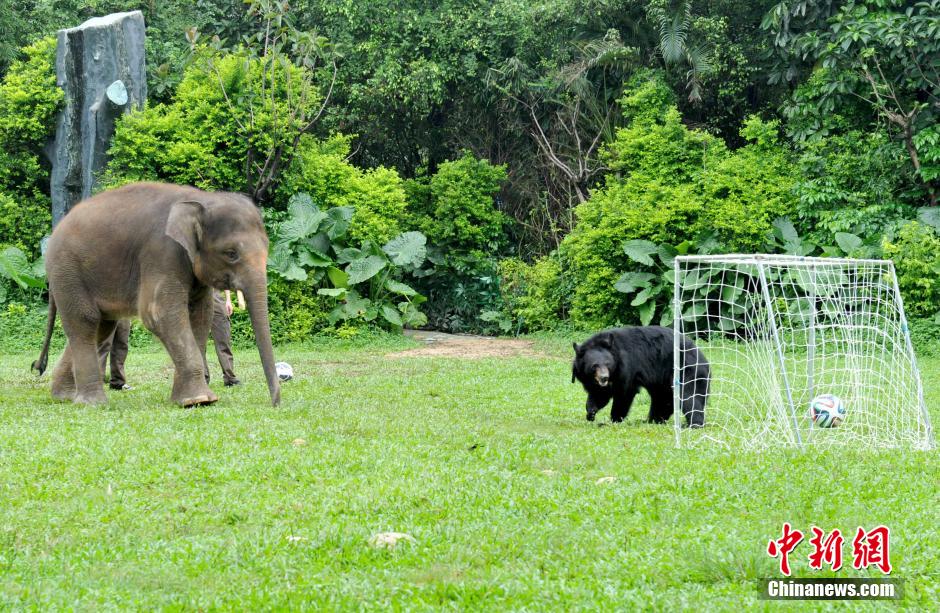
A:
x,y
632,281
848,242
695,310
667,319
491,315
786,231
293,272
335,292
930,215
310,258
730,293
364,269
356,305
347,254
337,277
646,312
407,249
303,221
411,316
400,288
642,298
667,254
683,248
15,266
640,251
392,316
337,222
318,242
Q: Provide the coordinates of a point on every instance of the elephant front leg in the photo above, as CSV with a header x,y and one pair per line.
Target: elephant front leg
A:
x,y
200,319
174,330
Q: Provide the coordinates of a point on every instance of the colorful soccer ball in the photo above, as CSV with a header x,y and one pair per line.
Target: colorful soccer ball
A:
x,y
827,410
284,371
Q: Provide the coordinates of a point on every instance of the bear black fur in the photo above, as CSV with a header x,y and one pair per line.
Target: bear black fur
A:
x,y
617,363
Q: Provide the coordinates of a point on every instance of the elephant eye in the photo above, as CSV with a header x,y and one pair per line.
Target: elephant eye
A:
x,y
231,255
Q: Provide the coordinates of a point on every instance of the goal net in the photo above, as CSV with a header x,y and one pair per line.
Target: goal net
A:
x,y
780,330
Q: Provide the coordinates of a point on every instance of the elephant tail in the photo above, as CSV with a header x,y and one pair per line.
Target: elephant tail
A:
x,y
40,364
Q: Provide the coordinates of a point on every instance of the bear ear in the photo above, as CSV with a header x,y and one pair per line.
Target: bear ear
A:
x,y
575,345
605,341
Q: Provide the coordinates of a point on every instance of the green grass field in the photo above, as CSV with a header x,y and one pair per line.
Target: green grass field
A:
x,y
488,464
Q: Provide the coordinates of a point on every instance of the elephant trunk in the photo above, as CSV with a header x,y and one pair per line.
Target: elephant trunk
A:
x,y
256,296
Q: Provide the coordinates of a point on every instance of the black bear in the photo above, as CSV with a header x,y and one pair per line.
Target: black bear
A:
x,y
617,363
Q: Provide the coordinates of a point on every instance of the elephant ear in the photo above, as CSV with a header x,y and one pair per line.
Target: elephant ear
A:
x,y
184,225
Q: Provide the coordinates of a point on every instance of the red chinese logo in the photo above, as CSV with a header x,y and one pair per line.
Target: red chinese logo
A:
x,y
868,548
783,546
871,549
828,550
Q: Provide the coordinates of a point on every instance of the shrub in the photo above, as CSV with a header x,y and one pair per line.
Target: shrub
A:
x,y
377,195
23,327
536,294
296,314
925,336
670,184
312,245
458,212
196,140
24,223
916,255
199,138
855,182
29,102
456,209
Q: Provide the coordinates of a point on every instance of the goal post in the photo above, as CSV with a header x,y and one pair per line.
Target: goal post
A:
x,y
779,330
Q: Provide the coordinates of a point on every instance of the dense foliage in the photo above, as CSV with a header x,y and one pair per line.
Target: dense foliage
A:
x,y
29,101
554,156
671,184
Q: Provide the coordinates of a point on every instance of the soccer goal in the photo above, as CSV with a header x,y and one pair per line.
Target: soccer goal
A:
x,y
781,330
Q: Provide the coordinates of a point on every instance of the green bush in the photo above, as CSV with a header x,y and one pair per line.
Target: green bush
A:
x,y
536,294
199,139
195,140
296,313
457,211
23,327
925,336
670,184
377,195
916,255
29,102
854,182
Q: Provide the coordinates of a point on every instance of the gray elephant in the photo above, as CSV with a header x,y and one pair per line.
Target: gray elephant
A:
x,y
153,250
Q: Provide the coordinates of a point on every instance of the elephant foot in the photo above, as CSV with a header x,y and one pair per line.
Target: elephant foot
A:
x,y
192,392
63,394
202,400
92,398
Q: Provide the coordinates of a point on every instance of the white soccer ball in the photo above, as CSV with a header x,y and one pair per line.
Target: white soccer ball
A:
x,y
284,371
827,410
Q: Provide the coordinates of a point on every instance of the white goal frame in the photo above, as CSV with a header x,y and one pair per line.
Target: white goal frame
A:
x,y
778,330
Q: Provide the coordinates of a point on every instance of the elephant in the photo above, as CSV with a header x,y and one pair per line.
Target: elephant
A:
x,y
153,250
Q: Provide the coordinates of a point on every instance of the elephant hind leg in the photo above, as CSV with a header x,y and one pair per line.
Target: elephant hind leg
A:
x,y
78,374
63,379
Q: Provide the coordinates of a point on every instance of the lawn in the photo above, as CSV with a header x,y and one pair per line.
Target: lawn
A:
x,y
487,463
